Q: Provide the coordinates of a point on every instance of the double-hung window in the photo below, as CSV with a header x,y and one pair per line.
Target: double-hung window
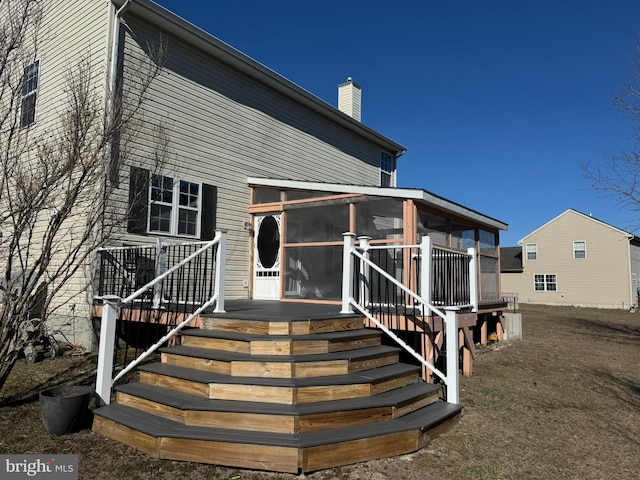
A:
x,y
545,283
386,170
532,251
174,206
166,205
579,249
29,94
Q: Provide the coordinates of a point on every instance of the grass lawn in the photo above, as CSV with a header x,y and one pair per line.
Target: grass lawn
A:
x,y
563,403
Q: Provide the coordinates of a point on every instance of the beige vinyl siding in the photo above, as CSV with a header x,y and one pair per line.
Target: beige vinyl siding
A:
x,y
602,279
225,127
70,31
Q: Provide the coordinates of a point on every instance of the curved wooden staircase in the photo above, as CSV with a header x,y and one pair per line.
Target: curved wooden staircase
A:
x,y
280,394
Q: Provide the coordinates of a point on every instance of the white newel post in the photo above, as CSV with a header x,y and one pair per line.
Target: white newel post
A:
x,y
473,278
426,271
107,343
453,386
221,268
347,272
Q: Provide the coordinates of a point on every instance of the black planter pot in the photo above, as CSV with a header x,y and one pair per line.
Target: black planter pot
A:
x,y
64,409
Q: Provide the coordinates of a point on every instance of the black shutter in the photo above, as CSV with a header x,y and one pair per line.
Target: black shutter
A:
x,y
209,206
138,200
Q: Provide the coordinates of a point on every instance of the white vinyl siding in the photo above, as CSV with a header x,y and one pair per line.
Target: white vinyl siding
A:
x,y
226,127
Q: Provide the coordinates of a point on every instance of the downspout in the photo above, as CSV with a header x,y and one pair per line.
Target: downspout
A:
x,y
113,75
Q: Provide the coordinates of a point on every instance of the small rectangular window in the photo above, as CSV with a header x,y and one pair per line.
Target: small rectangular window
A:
x,y
532,251
580,249
29,94
386,170
545,283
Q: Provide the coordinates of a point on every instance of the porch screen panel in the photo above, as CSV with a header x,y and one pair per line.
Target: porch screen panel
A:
x,y
380,219
434,226
324,223
488,278
313,272
462,236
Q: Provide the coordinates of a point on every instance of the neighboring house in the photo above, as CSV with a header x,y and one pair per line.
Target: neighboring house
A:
x,y
244,145
574,259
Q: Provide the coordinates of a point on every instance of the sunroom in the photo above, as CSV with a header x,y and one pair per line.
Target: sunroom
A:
x,y
299,226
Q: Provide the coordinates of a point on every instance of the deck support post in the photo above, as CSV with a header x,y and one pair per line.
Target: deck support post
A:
x,y
347,272
110,305
453,363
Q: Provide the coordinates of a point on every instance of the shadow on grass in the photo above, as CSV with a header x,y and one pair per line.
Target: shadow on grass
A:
x,y
75,373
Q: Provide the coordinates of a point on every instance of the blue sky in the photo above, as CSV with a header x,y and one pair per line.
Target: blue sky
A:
x,y
497,102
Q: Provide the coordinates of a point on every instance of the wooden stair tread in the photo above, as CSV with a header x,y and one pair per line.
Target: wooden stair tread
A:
x,y
226,356
184,401
156,426
377,375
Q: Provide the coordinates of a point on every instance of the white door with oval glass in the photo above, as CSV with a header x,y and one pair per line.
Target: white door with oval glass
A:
x,y
266,254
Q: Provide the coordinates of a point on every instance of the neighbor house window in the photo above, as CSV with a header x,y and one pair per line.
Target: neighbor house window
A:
x,y
545,283
580,249
386,170
29,94
163,204
532,251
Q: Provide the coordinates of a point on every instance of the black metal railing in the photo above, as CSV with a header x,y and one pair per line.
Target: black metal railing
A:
x,y
122,271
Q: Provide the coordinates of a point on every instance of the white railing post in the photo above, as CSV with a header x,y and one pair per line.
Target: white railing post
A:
x,y
426,271
110,305
160,268
453,387
221,268
364,283
347,272
474,293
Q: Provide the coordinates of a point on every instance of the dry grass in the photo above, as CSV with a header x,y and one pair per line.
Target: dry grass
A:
x,y
563,403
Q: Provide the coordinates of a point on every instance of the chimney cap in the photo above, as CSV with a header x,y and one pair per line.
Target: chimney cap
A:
x,y
350,81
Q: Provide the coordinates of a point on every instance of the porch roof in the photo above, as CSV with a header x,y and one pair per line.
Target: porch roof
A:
x,y
419,195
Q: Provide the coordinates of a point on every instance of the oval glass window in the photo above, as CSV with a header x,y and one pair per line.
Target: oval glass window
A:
x,y
268,242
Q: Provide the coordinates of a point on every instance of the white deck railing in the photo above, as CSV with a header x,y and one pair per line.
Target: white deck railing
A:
x,y
111,304
357,294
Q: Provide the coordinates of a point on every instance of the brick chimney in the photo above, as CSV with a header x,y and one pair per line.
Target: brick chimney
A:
x,y
350,98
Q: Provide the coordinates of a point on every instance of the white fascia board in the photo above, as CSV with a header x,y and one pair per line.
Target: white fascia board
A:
x,y
181,28
404,193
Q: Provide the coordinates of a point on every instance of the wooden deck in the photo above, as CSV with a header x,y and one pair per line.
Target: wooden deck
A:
x,y
280,387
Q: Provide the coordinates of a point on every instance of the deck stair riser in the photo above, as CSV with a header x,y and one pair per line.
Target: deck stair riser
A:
x,y
255,344
192,410
224,387
281,394
280,366
301,327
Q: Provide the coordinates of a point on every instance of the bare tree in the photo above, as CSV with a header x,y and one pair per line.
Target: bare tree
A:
x,y
56,195
619,175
